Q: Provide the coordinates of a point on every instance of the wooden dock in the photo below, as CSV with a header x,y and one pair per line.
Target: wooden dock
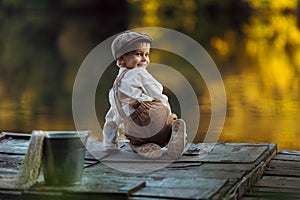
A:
x,y
280,180
205,171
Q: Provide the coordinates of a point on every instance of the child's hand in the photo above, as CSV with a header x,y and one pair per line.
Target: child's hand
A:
x,y
174,116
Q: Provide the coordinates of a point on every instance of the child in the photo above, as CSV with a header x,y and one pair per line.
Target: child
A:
x,y
131,51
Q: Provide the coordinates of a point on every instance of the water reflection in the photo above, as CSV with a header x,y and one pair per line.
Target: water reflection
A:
x,y
42,47
264,95
256,47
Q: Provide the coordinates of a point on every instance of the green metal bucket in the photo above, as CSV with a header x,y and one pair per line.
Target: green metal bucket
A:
x,y
63,157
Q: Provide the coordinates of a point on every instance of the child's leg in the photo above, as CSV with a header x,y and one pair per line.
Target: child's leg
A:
x,y
161,138
178,139
151,147
148,150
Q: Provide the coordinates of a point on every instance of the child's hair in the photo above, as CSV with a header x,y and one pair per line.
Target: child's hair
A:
x,y
127,42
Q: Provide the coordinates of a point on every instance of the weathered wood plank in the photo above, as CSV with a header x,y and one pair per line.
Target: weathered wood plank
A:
x,y
283,172
225,167
145,198
283,164
8,171
252,198
195,182
204,174
170,172
247,181
243,153
213,153
272,189
284,193
290,152
11,158
101,185
287,157
10,165
283,168
191,188
178,193
274,195
108,188
186,166
159,175
17,135
279,182
281,179
11,146
2,136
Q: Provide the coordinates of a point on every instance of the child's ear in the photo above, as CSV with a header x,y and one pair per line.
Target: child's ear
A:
x,y
120,61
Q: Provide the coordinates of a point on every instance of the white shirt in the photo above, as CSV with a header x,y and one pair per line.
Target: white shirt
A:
x,y
139,84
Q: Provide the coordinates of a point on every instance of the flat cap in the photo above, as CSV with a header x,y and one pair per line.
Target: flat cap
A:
x,y
126,42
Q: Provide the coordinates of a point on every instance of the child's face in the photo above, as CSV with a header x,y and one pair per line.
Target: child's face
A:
x,y
138,58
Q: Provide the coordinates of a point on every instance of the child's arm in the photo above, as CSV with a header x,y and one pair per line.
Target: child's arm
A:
x,y
110,130
154,89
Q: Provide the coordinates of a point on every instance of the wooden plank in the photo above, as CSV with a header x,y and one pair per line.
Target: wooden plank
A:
x,y
214,153
273,196
279,182
160,175
2,136
17,135
284,193
95,150
225,167
222,193
119,188
196,173
145,198
19,142
284,167
8,171
178,193
283,164
287,157
290,152
11,158
224,171
272,189
102,185
234,154
251,198
247,181
9,165
196,182
281,179
182,165
283,172
11,146
189,188
168,172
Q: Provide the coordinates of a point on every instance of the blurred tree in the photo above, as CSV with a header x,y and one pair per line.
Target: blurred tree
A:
x,y
42,45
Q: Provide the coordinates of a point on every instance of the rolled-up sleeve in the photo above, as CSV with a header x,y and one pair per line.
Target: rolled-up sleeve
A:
x,y
110,129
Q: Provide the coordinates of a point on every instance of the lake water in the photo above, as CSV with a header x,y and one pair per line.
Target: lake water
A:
x,y
255,47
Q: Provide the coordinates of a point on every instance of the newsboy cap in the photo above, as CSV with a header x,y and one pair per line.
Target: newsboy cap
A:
x,y
126,42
